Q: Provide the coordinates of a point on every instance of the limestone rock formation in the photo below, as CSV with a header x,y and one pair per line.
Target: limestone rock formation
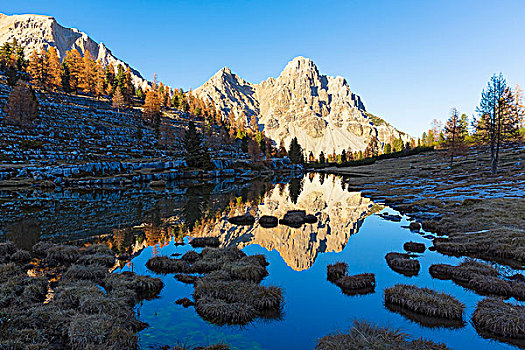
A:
x,y
321,111
38,31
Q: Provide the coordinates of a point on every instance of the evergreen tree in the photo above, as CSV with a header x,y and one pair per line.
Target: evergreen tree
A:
x,y
196,154
295,152
322,159
343,156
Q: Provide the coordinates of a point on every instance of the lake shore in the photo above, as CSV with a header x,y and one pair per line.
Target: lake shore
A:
x,y
481,215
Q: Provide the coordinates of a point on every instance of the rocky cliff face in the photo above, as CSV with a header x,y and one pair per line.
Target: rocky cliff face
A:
x,y
321,111
37,32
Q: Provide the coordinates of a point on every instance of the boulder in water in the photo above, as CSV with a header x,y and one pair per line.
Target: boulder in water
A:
x,y
268,221
246,219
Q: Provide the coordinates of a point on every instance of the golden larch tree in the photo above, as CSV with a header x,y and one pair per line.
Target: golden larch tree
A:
x,y
22,106
54,70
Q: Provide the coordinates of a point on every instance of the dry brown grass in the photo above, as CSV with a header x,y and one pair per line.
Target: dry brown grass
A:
x,y
88,308
367,336
496,317
336,271
424,320
480,277
357,284
403,263
164,264
414,247
425,301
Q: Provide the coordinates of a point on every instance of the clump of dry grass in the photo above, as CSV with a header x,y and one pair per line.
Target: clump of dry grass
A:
x,y
221,312
245,270
357,284
6,250
230,292
97,259
62,254
414,247
480,277
424,320
87,307
95,273
184,302
403,263
164,264
198,242
20,256
145,287
191,256
185,278
425,301
496,317
336,271
364,335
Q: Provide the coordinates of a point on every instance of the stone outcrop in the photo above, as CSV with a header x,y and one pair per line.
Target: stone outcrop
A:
x,y
37,32
321,111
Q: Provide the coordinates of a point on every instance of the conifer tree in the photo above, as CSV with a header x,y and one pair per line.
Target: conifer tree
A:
x,y
54,70
295,152
196,155
322,159
87,76
74,64
118,100
22,106
496,116
37,68
455,134
151,108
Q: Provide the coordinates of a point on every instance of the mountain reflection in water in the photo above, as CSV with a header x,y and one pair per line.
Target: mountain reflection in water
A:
x,y
339,213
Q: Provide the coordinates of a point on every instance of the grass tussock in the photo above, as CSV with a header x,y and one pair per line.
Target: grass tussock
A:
x,y
425,301
414,247
201,242
82,307
164,264
496,317
480,277
364,335
424,320
185,278
337,273
95,273
403,263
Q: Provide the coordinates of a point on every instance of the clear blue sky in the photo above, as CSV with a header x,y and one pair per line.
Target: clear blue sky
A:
x,y
410,61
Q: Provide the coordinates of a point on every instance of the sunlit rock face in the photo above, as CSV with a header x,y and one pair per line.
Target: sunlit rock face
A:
x,y
321,111
35,32
339,214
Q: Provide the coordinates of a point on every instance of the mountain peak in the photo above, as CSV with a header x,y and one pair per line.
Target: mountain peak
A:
x,y
38,32
321,111
300,64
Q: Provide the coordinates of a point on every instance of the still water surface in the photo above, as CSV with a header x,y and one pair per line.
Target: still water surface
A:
x,y
348,230
142,223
